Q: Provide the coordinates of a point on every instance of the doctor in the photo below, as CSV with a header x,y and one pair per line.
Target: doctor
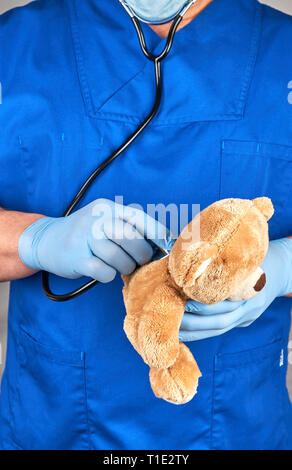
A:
x,y
75,85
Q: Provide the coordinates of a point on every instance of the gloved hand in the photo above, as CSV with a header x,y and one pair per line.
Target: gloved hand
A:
x,y
95,241
203,321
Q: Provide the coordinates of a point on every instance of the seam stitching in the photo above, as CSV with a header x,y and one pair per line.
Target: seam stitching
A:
x,y
80,69
253,55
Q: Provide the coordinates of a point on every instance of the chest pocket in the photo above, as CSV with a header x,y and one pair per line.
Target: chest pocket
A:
x,y
43,172
253,169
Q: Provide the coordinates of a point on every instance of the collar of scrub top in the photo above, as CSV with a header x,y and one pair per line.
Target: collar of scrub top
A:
x,y
185,5
210,68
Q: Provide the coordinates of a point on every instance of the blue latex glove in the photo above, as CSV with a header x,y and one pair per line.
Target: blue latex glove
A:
x,y
202,321
95,241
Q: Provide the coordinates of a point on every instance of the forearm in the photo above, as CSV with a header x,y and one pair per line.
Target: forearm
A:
x,y
12,225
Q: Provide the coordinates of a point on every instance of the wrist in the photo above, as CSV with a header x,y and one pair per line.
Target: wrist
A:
x,y
29,241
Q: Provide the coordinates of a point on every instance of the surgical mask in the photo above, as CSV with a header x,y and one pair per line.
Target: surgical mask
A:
x,y
156,11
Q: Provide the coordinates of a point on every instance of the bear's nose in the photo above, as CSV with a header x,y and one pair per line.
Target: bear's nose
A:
x,y
260,283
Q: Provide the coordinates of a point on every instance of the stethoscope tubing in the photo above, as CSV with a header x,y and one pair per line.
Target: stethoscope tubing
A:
x,y
89,181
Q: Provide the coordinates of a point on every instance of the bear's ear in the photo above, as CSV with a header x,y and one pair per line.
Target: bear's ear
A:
x,y
200,263
265,206
189,261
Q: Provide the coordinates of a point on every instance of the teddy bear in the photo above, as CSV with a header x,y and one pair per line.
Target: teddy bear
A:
x,y
216,257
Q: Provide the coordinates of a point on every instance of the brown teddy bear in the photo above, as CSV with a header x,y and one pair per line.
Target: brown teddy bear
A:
x,y
222,262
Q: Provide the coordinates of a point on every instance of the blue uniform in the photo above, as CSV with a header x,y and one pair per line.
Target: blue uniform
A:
x,y
75,84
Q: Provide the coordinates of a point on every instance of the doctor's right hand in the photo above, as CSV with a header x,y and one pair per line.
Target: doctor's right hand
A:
x,y
95,241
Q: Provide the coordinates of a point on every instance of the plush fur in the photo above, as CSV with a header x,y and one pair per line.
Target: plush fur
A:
x,y
221,262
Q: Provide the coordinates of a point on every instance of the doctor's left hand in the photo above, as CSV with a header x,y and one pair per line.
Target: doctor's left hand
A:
x,y
204,321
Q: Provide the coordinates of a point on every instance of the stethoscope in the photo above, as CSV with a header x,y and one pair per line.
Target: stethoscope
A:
x,y
158,80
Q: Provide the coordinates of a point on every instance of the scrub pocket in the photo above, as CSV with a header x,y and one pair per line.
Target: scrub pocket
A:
x,y
253,169
248,402
50,406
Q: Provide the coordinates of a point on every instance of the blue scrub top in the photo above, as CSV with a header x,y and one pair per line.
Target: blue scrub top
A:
x,y
75,84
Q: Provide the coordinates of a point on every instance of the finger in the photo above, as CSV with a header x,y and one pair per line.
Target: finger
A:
x,y
193,322
222,307
129,239
146,225
253,308
113,255
96,269
150,228
245,324
188,336
251,315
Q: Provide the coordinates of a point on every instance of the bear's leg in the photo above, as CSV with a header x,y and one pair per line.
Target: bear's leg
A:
x,y
159,326
138,291
178,383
